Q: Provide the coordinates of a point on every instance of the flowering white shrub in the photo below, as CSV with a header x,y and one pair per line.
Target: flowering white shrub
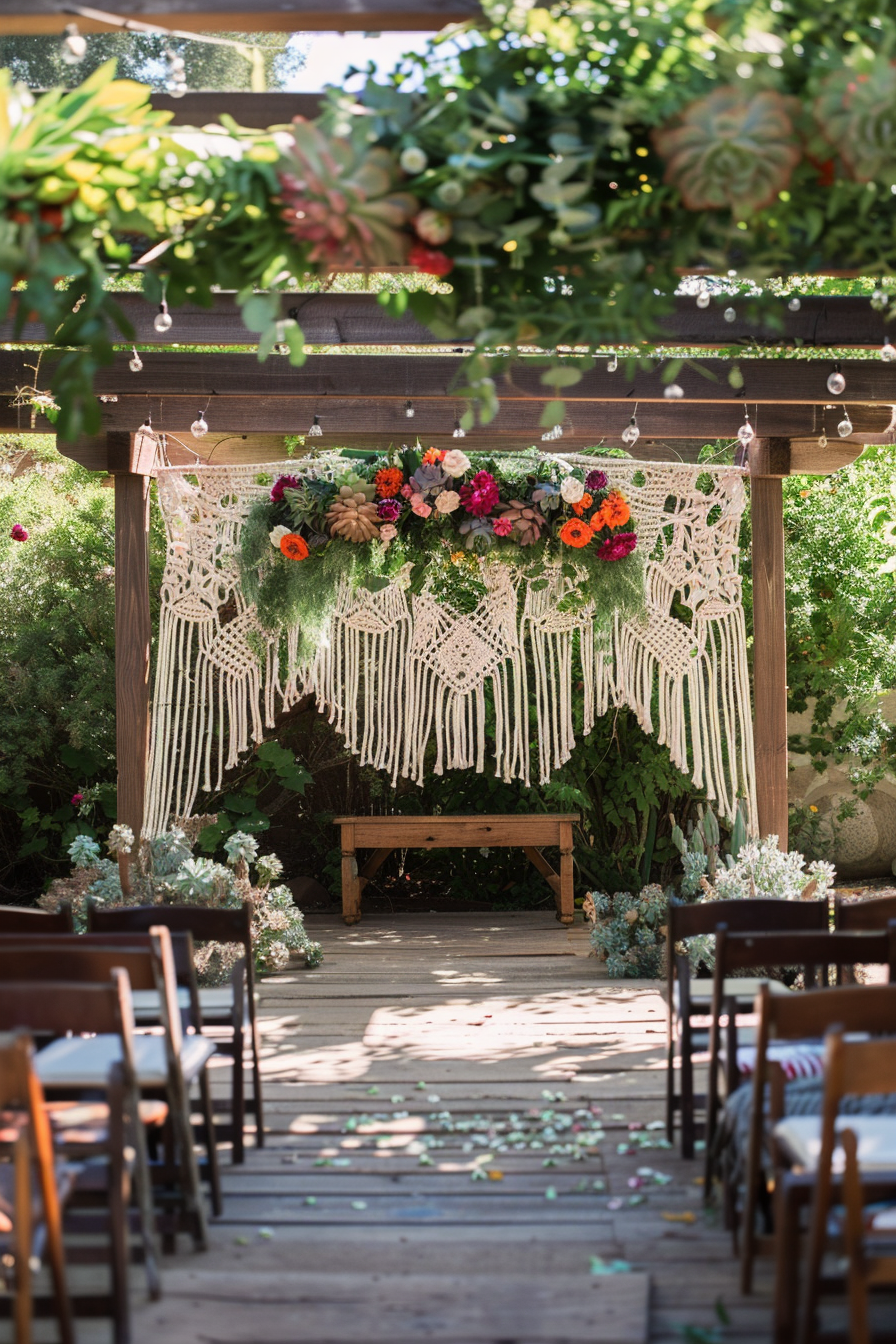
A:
x,y
762,869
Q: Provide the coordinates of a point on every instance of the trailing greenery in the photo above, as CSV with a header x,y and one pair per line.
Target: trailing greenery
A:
x,y
562,167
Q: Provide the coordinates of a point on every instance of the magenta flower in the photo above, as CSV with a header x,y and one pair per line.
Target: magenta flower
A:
x,y
18,532
618,547
481,495
502,527
596,480
77,799
389,510
281,484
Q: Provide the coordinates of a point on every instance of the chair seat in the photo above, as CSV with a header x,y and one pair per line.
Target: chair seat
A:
x,y
216,1004
743,988
85,1061
800,1138
797,1059
66,1174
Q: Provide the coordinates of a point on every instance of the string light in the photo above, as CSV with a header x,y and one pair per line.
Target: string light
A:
x,y
730,314
199,427
836,382
315,431
844,429
135,363
794,305
888,351
673,392
746,433
631,434
74,45
163,320
409,409
704,298
458,432
613,363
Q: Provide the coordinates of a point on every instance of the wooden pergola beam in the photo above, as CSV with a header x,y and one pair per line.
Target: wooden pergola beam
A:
x,y
245,16
359,319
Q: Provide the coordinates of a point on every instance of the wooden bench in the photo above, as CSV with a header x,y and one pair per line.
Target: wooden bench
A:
x,y
528,832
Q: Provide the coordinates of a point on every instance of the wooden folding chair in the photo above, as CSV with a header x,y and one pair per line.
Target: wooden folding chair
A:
x,y
232,1005
25,919
689,998
746,951
871,1264
859,916
795,1019
25,1131
852,1068
104,1010
166,1064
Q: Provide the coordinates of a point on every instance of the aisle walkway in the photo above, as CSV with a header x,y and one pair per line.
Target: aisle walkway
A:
x,y
426,1090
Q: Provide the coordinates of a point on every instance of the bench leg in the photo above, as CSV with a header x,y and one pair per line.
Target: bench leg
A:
x,y
566,912
351,885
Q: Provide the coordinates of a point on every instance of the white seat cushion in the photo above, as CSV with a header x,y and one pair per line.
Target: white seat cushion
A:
x,y
798,1059
216,1003
85,1061
146,1003
743,988
800,1138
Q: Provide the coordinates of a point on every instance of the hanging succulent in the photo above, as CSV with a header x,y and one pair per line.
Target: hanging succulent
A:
x,y
342,202
855,113
730,150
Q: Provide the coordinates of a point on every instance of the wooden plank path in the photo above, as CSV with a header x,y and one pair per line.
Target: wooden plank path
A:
x,y
425,1088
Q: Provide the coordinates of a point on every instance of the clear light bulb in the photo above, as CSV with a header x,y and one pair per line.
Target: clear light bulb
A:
x,y
704,298
74,46
631,434
794,305
729,314
822,440
199,427
746,433
836,383
844,429
315,431
135,364
888,351
409,410
613,363
674,392
163,320
458,432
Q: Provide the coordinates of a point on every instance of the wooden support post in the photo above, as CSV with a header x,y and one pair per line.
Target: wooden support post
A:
x,y
769,463
131,457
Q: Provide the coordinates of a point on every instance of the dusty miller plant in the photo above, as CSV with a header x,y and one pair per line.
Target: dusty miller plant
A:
x,y
166,872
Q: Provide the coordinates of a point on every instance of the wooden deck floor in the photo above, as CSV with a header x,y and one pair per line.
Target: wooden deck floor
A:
x,y
387,1072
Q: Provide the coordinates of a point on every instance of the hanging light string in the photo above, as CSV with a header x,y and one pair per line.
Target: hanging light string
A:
x,y
631,434
199,427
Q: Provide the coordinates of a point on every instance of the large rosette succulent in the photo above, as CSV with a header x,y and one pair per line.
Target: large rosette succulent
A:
x,y
343,202
730,150
857,114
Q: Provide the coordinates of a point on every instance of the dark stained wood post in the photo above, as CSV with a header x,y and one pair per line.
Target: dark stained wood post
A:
x,y
769,463
130,459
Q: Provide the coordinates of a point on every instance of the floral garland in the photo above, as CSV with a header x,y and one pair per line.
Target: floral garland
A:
x,y
364,521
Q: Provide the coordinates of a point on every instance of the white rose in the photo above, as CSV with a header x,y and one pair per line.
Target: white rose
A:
x,y
447,501
455,463
572,489
277,536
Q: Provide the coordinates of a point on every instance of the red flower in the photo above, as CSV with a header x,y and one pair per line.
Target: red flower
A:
x,y
618,547
294,547
77,799
18,532
481,495
429,260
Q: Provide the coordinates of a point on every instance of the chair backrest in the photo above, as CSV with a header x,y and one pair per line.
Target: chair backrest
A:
x,y
807,1016
53,1008
873,914
809,949
756,915
206,924
25,919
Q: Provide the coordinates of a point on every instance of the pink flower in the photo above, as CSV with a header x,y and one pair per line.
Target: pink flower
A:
x,y
77,799
481,495
407,490
389,510
420,506
502,527
281,483
617,547
18,532
388,533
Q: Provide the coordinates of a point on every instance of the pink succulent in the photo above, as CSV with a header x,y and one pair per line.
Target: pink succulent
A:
x,y
617,547
420,506
481,495
406,490
18,532
502,527
388,533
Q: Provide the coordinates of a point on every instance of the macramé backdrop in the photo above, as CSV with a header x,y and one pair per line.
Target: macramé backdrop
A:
x,y
400,671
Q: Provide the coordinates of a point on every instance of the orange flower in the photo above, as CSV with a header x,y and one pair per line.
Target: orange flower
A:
x,y
576,532
433,456
584,503
614,512
388,482
294,547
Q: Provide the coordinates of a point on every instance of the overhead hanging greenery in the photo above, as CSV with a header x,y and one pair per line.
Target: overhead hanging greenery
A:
x,y
593,151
